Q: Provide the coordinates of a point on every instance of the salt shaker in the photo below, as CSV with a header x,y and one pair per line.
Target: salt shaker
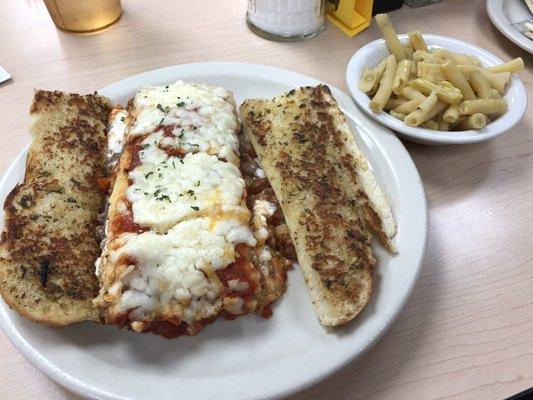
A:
x,y
286,20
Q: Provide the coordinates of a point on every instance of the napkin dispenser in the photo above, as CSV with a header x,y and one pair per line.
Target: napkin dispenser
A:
x,y
350,16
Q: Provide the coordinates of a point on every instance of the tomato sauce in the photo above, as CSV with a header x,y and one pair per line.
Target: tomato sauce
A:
x,y
174,151
126,260
168,131
240,270
168,329
266,312
124,223
228,316
104,184
134,148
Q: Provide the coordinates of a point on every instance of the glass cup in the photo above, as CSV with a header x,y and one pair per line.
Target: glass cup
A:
x,y
286,20
83,15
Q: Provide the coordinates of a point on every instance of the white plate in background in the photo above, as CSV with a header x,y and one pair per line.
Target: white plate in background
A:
x,y
372,53
507,16
251,357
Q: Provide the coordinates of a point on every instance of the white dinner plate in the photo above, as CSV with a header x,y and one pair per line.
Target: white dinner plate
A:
x,y
508,17
251,357
371,54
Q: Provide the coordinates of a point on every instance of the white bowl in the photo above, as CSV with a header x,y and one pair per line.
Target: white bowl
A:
x,y
371,54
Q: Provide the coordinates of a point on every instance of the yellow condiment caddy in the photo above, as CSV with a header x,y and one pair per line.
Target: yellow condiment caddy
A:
x,y
350,16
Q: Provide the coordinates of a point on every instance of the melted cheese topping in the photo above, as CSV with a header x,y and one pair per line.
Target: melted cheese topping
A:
x,y
171,268
261,211
202,117
237,286
116,132
194,207
259,173
165,193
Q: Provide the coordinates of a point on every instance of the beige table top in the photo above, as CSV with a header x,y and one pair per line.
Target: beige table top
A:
x,y
467,330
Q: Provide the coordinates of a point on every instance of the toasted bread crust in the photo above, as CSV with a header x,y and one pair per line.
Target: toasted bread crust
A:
x,y
49,241
301,140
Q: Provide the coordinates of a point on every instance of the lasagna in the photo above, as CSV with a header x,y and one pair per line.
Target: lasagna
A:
x,y
183,242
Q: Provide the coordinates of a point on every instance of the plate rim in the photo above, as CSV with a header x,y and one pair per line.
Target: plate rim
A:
x,y
90,391
427,136
495,12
